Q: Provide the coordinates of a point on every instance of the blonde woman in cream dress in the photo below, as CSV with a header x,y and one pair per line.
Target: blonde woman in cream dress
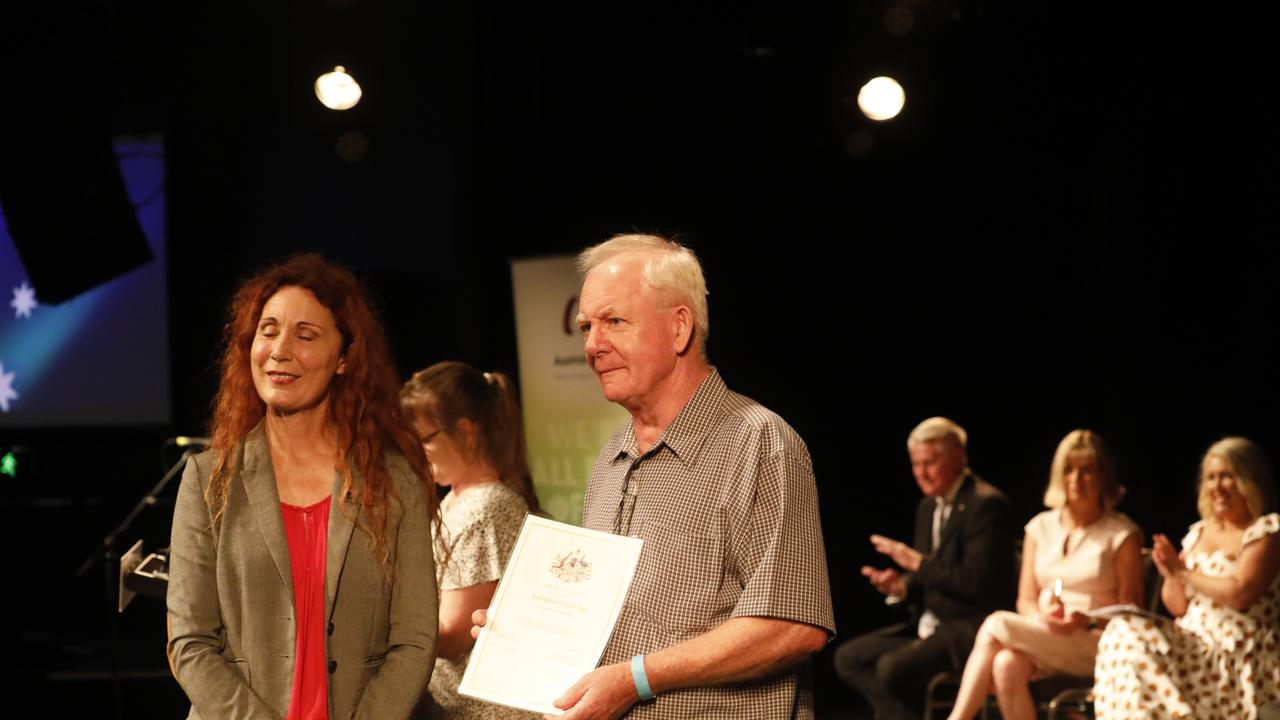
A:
x,y
1078,555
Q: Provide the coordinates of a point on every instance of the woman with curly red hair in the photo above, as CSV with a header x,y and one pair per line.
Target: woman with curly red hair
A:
x,y
277,607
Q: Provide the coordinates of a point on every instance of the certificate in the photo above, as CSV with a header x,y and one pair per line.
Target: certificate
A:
x,y
552,614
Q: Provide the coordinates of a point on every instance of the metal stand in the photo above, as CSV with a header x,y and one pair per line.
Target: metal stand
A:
x,y
110,571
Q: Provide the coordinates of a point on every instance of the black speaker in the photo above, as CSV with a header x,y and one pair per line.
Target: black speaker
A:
x,y
70,216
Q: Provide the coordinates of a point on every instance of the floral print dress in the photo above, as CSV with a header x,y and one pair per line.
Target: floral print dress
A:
x,y
1214,662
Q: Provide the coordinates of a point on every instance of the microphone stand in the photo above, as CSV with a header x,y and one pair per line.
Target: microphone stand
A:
x,y
110,567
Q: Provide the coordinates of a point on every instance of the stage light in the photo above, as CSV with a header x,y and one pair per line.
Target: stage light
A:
x,y
337,90
881,98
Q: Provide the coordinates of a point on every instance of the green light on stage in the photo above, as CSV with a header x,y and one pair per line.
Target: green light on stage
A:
x,y
9,465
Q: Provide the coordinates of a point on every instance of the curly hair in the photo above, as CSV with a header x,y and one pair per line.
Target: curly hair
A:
x,y
364,407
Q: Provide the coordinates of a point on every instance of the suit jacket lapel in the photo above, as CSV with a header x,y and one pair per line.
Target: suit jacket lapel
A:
x,y
259,481
958,510
340,531
924,526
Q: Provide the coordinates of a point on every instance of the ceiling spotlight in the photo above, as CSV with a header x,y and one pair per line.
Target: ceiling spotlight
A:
x,y
337,90
881,98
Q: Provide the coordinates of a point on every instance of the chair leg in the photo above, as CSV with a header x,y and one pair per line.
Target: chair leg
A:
x,y
930,701
1082,700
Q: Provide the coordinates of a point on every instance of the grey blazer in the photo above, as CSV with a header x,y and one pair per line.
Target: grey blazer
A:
x,y
231,625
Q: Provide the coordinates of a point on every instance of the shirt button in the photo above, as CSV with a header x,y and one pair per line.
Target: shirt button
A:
x,y
330,628
333,666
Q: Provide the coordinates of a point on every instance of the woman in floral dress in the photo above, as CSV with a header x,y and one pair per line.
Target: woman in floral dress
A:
x,y
1221,657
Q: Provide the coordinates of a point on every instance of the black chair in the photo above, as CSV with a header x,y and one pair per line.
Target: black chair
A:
x,y
940,693
1055,696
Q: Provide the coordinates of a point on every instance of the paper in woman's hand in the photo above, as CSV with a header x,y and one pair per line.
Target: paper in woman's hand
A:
x,y
1109,611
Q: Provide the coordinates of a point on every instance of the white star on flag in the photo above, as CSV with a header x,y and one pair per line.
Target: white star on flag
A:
x,y
24,300
7,392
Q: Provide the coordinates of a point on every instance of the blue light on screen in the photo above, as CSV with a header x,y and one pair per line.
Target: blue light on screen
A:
x,y
102,357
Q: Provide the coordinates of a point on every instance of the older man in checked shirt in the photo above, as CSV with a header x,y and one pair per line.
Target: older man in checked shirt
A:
x,y
731,594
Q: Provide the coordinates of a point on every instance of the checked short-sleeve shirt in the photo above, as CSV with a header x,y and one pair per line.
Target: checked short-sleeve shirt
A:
x,y
726,504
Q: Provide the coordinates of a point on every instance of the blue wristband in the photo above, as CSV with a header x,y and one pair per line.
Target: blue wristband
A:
x,y
640,679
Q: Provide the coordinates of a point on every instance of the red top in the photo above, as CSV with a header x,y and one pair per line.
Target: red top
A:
x,y
306,529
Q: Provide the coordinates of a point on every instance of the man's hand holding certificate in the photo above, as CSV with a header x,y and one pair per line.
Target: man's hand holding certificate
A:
x,y
552,614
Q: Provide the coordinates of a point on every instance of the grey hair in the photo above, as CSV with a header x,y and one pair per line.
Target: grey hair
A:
x,y
669,268
938,428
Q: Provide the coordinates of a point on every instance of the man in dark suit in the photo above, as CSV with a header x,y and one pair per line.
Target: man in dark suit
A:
x,y
959,569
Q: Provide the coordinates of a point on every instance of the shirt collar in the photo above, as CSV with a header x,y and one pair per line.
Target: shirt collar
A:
x,y
950,498
695,421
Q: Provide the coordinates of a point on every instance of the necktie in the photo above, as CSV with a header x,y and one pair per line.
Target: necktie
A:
x,y
939,521
928,621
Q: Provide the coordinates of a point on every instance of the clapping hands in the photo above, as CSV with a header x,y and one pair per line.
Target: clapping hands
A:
x,y
889,581
907,557
1168,562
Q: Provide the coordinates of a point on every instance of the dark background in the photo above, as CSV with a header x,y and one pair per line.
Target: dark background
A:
x,y
1072,224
